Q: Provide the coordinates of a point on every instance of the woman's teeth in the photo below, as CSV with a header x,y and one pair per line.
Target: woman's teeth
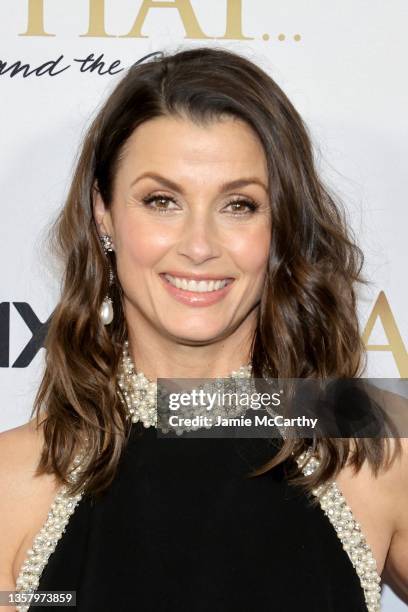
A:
x,y
201,286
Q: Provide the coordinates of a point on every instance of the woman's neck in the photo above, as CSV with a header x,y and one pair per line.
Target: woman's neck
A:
x,y
160,357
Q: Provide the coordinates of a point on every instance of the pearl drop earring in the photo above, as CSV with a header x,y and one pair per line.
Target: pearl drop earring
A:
x,y
106,310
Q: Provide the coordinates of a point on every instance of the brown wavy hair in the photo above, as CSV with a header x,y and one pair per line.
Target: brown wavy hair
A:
x,y
307,323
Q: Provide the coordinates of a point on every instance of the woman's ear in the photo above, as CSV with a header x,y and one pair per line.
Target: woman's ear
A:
x,y
101,214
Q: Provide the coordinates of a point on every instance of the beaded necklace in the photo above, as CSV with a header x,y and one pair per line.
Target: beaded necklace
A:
x,y
140,395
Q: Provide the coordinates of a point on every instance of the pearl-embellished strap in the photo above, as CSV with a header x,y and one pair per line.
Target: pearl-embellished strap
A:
x,y
335,506
46,540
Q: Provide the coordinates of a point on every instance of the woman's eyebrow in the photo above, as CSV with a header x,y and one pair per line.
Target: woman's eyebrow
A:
x,y
224,186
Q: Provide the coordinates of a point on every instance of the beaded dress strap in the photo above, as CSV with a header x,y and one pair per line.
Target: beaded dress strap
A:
x,y
46,540
348,530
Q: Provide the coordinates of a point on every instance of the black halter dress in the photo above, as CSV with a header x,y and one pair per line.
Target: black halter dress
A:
x,y
182,528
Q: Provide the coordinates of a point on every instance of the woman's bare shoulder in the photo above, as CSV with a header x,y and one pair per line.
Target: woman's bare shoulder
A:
x,y
16,442
24,497
396,567
380,504
20,450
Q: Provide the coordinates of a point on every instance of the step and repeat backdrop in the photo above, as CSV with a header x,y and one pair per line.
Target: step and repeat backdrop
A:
x,y
340,63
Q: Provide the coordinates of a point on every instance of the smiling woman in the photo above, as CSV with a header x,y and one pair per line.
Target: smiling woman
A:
x,y
198,242
190,240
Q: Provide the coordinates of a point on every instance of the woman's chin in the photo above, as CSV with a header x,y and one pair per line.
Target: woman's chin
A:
x,y
203,332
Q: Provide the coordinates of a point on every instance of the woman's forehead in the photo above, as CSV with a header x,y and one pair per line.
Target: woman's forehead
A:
x,y
172,145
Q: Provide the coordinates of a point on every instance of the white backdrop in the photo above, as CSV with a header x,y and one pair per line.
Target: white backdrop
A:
x,y
341,64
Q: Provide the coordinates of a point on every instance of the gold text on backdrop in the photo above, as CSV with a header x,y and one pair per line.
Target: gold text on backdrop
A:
x,y
97,28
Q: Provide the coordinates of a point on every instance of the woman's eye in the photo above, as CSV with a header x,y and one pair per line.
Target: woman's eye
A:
x,y
164,204
242,207
160,202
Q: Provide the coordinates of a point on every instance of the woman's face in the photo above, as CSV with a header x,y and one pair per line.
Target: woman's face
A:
x,y
190,204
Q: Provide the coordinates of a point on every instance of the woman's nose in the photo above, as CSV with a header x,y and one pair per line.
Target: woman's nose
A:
x,y
199,238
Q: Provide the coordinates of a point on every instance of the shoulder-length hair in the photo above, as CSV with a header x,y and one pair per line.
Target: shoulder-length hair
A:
x,y
307,323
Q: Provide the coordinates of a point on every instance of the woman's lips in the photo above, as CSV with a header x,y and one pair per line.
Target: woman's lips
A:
x,y
196,298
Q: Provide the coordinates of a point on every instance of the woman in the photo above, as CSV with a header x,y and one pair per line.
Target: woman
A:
x,y
198,241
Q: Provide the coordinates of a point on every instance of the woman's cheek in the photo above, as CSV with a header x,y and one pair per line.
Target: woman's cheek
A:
x,y
251,248
143,244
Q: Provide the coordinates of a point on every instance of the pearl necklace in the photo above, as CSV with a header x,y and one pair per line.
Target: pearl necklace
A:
x,y
140,395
